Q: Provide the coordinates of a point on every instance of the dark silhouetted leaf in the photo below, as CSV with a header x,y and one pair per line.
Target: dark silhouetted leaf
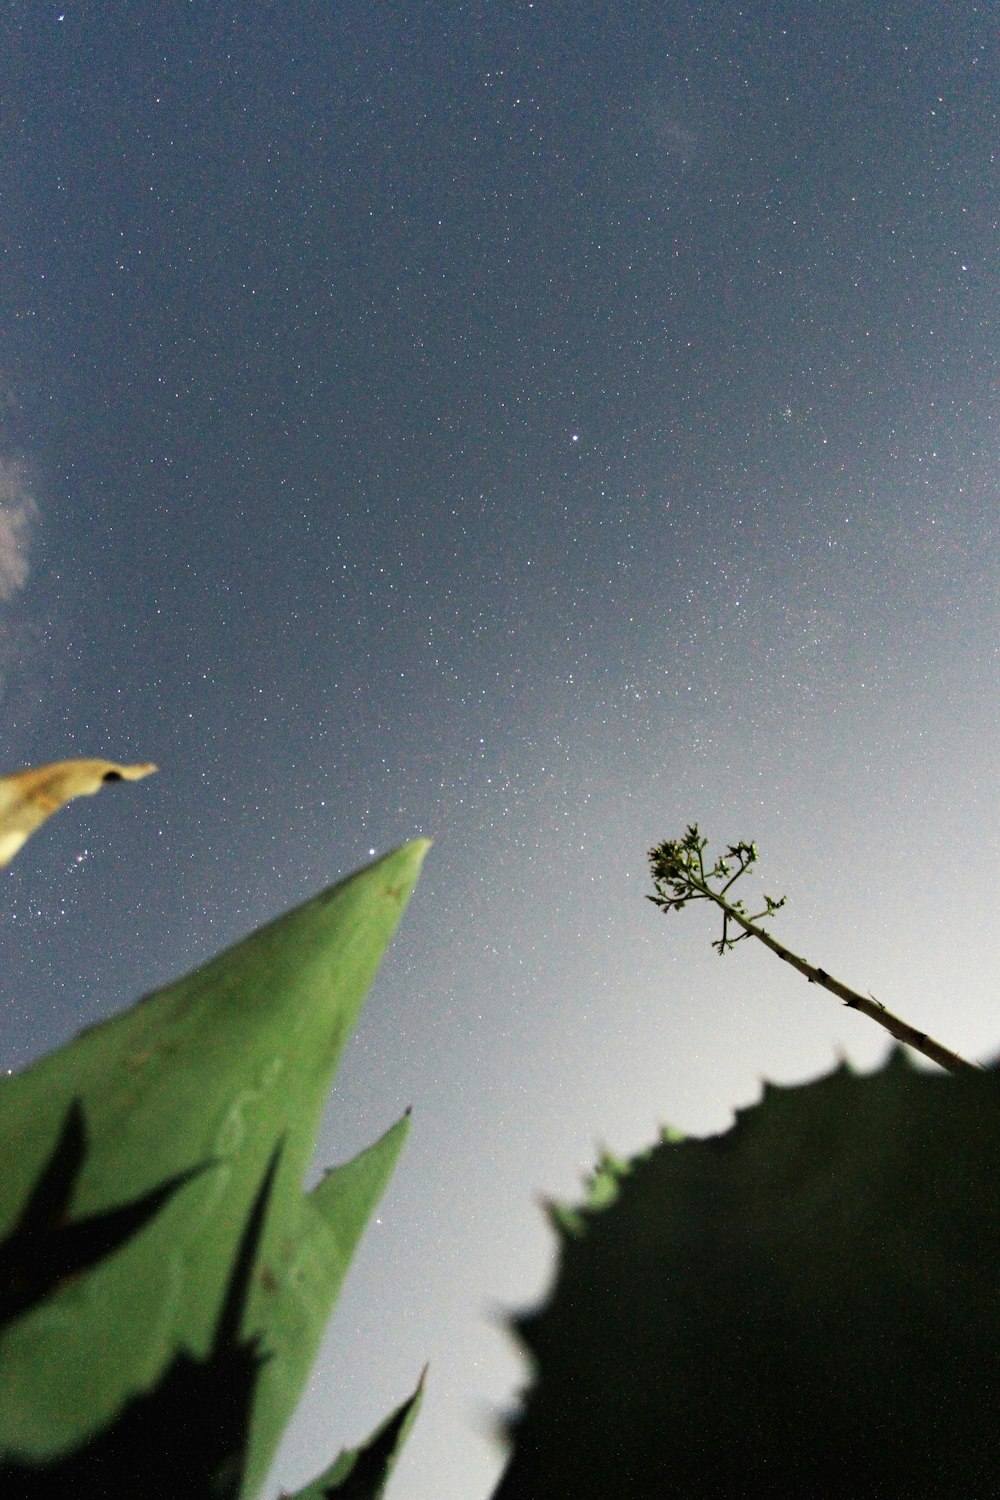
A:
x,y
805,1305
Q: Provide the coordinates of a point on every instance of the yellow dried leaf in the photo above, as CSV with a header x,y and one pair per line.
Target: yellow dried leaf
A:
x,y
27,798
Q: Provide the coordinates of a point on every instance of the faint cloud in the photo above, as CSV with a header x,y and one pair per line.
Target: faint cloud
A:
x,y
655,139
669,137
21,637
18,515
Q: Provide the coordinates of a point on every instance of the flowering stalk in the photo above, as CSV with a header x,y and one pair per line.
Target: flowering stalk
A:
x,y
680,875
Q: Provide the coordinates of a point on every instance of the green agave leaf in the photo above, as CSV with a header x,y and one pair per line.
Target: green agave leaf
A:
x,y
188,1434
181,1104
363,1473
807,1304
341,1204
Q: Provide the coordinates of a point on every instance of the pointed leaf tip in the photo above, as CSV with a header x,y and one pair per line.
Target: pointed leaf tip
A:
x,y
363,1473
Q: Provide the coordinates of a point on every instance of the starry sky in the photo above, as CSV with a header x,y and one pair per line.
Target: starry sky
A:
x,y
538,426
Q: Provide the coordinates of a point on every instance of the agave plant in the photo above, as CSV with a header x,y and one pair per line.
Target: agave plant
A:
x,y
164,1279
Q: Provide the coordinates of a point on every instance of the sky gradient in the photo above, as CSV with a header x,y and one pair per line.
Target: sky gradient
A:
x,y
536,426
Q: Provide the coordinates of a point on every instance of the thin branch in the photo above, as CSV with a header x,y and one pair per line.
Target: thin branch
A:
x,y
679,876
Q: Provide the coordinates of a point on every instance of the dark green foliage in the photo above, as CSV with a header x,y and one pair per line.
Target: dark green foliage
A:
x,y
806,1305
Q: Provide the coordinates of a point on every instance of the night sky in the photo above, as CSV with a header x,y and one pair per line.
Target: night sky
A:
x,y
537,426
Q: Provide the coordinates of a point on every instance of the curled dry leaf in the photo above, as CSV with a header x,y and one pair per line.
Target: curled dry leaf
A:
x,y
27,798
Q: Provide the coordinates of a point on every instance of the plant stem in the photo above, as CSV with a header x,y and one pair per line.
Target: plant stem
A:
x,y
900,1029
